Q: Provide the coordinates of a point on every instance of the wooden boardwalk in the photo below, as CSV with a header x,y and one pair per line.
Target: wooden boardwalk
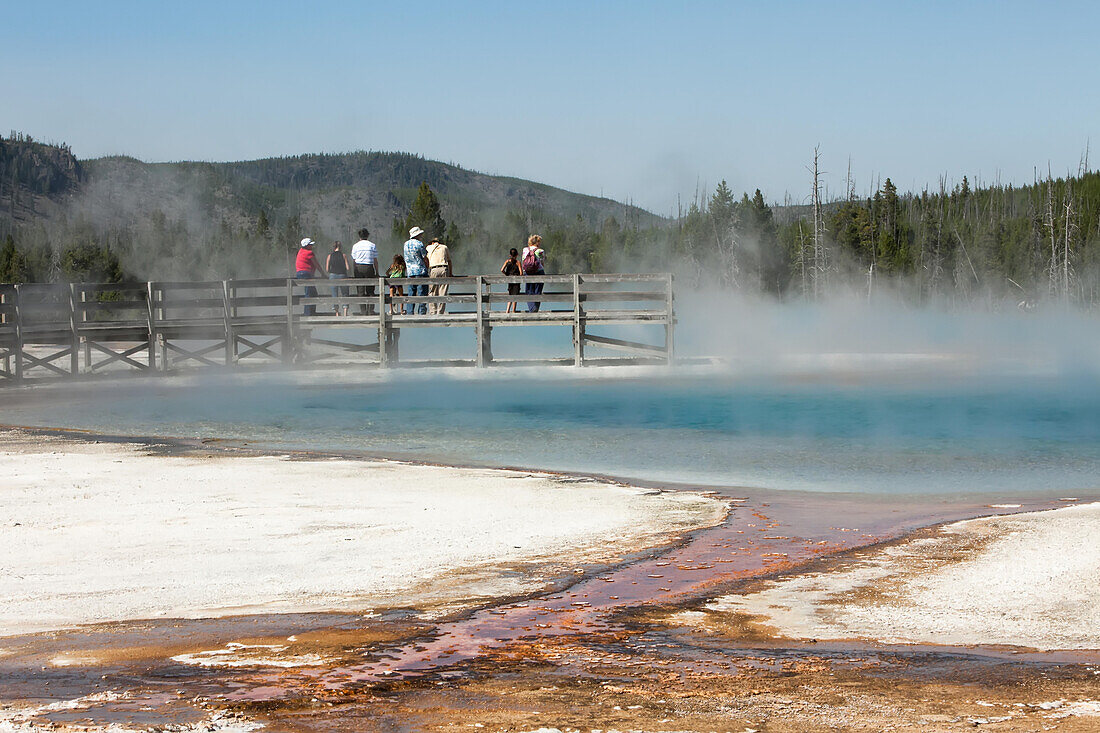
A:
x,y
70,330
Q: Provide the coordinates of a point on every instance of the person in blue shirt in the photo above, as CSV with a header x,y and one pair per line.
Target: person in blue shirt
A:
x,y
416,266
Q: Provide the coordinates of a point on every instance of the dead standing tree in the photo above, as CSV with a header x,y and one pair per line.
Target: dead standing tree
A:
x,y
818,255
802,256
1052,264
726,245
1070,227
1059,270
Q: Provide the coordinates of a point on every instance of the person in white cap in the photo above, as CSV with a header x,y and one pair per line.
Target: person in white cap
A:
x,y
304,265
416,266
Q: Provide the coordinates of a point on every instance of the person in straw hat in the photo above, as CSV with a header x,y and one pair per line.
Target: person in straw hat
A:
x,y
439,265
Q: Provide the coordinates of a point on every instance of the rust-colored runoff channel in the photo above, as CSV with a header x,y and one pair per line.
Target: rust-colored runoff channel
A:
x,y
758,538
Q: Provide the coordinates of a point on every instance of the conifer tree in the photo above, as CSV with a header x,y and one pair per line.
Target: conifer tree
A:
x,y
91,263
263,226
453,237
425,213
723,208
13,264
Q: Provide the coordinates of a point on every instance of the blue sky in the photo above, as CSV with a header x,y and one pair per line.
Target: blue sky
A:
x,y
638,101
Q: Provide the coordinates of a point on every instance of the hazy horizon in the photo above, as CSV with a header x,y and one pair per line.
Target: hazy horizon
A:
x,y
642,103
829,194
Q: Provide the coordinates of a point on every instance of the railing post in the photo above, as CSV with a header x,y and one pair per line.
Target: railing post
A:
x,y
230,336
383,324
484,355
161,312
291,343
578,324
84,319
9,352
670,322
18,345
74,351
152,328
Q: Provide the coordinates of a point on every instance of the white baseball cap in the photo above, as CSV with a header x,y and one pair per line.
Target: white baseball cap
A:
x,y
307,242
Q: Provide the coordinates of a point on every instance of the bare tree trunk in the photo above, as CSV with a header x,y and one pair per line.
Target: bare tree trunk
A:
x,y
727,253
1053,266
973,271
802,255
1068,200
819,232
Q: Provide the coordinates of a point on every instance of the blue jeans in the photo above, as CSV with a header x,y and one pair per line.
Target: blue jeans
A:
x,y
339,291
412,287
310,291
533,289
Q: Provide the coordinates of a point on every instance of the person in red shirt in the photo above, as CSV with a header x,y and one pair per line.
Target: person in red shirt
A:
x,y
305,264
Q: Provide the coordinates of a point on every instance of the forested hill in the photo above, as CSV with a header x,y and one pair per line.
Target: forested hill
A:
x,y
196,219
395,177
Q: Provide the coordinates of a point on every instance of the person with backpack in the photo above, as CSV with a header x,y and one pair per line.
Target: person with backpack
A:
x,y
534,263
511,268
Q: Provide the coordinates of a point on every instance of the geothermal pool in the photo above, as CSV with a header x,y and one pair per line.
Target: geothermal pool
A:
x,y
886,433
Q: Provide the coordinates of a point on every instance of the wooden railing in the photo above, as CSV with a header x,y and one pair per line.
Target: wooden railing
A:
x,y
83,328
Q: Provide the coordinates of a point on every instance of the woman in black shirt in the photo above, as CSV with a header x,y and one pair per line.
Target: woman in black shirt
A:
x,y
337,266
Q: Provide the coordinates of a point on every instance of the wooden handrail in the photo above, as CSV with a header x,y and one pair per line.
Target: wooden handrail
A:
x,y
242,318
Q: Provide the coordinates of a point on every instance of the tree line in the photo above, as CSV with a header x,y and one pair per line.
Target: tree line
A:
x,y
963,243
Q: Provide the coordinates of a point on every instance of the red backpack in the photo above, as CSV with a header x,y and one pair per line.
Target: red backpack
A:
x,y
531,263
